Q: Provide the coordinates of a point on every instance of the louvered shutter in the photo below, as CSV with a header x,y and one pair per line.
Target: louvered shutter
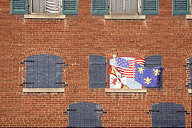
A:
x,y
19,6
70,7
97,71
83,114
150,7
190,69
181,7
99,7
44,72
168,115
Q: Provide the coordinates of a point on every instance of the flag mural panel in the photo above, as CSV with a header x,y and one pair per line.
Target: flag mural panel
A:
x,y
130,73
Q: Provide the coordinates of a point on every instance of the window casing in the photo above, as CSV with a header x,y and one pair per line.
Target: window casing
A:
x,y
124,7
49,7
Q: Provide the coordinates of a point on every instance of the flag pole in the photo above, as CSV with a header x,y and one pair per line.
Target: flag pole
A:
x,y
114,57
133,74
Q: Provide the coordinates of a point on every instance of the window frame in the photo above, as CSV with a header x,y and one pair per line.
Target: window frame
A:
x,y
30,12
139,8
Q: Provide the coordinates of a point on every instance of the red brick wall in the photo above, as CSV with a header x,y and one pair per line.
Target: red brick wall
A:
x,y
74,39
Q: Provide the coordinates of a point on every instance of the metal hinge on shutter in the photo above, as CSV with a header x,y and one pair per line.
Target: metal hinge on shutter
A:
x,y
24,61
62,63
183,112
100,110
69,110
150,111
187,65
26,83
188,84
63,83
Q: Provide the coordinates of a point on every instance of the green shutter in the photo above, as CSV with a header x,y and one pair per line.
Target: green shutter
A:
x,y
99,7
150,7
70,7
181,7
19,6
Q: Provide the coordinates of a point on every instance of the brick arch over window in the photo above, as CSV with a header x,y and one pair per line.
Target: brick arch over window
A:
x,y
44,71
84,114
168,115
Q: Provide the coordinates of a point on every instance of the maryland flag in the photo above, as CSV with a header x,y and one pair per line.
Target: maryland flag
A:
x,y
115,81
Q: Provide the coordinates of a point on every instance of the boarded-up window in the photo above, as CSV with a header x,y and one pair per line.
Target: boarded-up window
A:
x,y
44,71
84,114
168,115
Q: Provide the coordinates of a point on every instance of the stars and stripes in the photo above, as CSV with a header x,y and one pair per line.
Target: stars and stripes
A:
x,y
127,67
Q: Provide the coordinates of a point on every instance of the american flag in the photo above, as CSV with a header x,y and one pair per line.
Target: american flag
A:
x,y
127,67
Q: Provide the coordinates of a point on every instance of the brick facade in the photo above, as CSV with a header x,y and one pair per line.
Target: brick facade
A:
x,y
74,39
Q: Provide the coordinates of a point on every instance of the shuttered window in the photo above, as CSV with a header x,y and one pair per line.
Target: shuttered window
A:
x,y
66,7
125,7
84,114
44,71
153,70
168,115
181,7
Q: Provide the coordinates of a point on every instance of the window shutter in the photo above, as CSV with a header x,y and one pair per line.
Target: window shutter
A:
x,y
83,114
190,69
97,71
99,7
70,7
150,7
19,6
153,61
181,7
44,72
168,115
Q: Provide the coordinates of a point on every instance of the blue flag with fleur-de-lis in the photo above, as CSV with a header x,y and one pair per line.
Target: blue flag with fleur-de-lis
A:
x,y
148,77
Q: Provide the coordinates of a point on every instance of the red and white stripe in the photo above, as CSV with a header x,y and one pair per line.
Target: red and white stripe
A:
x,y
140,61
130,72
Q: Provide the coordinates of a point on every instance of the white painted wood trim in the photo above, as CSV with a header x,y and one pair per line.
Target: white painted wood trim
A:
x,y
44,16
124,17
43,90
109,90
189,17
190,91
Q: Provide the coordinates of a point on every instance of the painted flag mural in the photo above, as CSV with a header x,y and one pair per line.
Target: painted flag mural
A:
x,y
130,73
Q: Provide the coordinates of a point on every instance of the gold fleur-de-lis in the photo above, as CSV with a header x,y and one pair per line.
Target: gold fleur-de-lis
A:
x,y
156,72
140,70
148,80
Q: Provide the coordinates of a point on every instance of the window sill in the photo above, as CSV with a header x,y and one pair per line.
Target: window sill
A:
x,y
54,90
44,16
189,17
124,17
190,91
109,90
